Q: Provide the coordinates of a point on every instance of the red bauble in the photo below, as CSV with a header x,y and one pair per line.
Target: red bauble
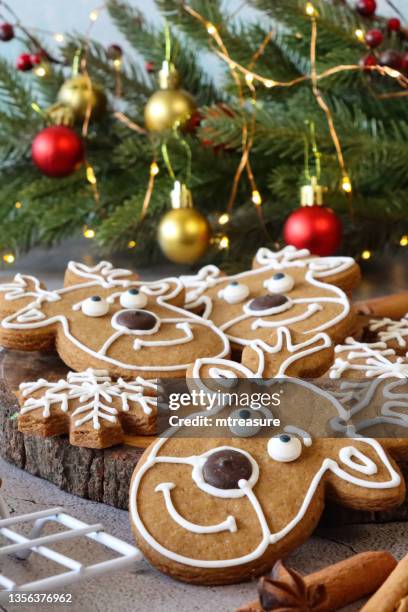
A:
x,y
394,24
6,32
366,8
57,151
316,228
374,38
23,62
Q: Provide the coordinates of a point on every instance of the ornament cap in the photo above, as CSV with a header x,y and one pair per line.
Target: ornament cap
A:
x,y
312,194
181,196
168,76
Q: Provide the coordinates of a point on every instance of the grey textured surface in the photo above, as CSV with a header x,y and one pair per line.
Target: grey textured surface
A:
x,y
144,589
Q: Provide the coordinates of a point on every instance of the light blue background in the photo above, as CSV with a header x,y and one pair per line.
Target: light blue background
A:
x,y
73,15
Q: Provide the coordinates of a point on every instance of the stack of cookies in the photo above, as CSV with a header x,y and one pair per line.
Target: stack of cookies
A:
x,y
223,506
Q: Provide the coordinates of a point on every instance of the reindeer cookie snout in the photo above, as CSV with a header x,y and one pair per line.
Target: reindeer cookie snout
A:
x,y
136,321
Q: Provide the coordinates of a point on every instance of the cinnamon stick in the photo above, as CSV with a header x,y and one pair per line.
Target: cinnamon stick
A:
x,y
393,306
393,594
346,582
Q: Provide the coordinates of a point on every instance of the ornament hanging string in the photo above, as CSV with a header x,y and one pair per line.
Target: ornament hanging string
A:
x,y
247,131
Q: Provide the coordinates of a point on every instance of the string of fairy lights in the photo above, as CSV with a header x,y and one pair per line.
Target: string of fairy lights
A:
x,y
243,76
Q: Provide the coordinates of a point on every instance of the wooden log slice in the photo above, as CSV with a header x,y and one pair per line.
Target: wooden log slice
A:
x,y
99,475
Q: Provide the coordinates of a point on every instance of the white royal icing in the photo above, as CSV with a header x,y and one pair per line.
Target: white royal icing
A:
x,y
357,396
105,276
391,330
103,272
375,362
95,391
234,293
228,525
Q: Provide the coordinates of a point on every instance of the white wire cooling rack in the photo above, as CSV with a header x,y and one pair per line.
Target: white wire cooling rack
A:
x,y
22,547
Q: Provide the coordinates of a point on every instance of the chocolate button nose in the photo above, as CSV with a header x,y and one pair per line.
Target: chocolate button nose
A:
x,y
136,319
225,468
265,302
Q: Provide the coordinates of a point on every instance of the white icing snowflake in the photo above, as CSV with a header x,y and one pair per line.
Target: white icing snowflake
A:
x,y
95,391
369,359
391,330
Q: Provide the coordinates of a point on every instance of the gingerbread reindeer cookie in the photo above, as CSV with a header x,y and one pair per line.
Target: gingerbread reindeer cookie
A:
x,y
104,318
218,510
93,409
294,304
373,387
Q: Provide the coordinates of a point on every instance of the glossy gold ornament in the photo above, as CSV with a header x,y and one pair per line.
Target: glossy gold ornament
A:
x,y
184,234
170,107
78,93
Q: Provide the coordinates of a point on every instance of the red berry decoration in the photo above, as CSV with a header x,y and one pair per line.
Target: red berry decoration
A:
x,y
36,58
57,151
366,8
368,60
6,32
149,67
23,62
391,58
316,228
374,38
394,24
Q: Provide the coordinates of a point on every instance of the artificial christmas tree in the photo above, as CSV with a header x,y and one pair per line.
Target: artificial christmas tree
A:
x,y
297,61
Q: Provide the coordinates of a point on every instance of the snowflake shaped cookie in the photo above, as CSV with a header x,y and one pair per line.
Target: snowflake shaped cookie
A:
x,y
95,410
105,318
393,333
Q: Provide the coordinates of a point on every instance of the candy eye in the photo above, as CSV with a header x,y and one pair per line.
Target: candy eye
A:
x,y
133,298
234,292
284,448
242,423
279,283
225,468
95,306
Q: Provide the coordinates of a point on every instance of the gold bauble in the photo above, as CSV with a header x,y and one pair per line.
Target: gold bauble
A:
x,y
168,109
171,107
78,93
184,234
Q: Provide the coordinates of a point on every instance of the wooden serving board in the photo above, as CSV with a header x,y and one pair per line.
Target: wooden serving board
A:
x,y
98,475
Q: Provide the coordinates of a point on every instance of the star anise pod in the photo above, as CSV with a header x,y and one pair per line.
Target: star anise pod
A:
x,y
284,590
